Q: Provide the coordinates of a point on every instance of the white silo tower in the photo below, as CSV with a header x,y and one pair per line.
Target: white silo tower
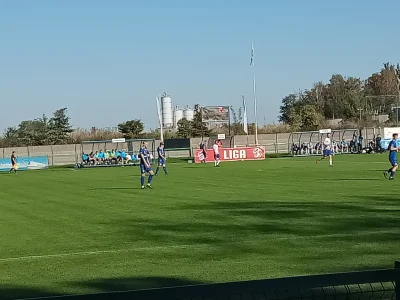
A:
x,y
167,114
188,113
178,115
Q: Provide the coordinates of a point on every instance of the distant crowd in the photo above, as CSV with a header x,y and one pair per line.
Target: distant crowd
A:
x,y
354,145
108,157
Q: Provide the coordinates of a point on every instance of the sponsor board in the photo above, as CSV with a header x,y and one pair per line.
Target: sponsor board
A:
x,y
388,132
322,131
232,154
25,163
121,140
215,114
385,143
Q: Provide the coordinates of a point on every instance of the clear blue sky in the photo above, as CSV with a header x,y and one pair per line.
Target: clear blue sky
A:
x,y
107,60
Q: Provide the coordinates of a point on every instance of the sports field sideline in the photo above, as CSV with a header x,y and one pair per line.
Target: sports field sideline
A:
x,y
77,231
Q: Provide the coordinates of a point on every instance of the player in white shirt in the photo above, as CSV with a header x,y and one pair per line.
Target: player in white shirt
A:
x,y
327,149
216,154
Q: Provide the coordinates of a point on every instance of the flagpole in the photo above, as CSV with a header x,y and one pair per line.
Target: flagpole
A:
x,y
245,128
254,93
160,120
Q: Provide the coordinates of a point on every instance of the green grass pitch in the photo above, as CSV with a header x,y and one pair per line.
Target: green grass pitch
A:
x,y
85,231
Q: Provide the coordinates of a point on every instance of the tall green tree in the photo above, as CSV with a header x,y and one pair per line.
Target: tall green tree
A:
x,y
199,128
185,129
289,109
335,97
310,119
382,89
237,118
33,132
131,129
10,137
59,127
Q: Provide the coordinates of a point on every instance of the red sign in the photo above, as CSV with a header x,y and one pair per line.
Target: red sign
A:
x,y
231,154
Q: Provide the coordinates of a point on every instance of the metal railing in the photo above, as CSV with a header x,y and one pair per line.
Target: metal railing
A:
x,y
376,284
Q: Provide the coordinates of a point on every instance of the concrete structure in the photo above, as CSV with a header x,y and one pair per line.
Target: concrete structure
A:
x,y
178,115
188,114
166,110
71,154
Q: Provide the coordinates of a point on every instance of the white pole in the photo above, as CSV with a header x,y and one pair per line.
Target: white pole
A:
x,y
160,120
254,92
245,129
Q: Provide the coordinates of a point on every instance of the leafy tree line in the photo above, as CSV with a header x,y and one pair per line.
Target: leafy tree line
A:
x,y
347,98
57,130
41,131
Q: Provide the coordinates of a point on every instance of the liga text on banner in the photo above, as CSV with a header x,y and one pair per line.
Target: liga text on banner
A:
x,y
231,154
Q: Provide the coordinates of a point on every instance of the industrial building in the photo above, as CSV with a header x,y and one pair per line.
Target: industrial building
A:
x,y
172,115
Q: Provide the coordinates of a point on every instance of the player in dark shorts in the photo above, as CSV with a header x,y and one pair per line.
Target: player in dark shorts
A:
x,y
13,162
145,166
161,159
203,147
392,157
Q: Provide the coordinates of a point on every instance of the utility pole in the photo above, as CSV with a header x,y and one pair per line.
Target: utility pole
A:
x,y
360,110
398,96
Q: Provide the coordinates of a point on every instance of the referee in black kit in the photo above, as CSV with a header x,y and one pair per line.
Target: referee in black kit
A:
x,y
13,162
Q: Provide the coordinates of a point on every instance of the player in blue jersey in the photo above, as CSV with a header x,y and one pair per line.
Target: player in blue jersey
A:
x,y
161,159
392,157
145,166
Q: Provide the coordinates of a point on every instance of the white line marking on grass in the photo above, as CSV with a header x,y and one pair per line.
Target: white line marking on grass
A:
x,y
166,247
84,253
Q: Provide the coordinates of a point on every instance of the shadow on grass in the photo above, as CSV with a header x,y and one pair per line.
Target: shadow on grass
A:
x,y
228,225
235,227
94,289
95,286
8,292
124,284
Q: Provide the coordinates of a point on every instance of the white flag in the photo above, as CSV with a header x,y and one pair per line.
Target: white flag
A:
x,y
244,117
160,119
159,111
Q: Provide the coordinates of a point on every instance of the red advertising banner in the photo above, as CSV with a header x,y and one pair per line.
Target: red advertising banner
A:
x,y
231,154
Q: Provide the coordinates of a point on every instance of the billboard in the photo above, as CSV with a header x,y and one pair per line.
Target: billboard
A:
x,y
388,132
176,143
25,163
385,143
215,114
232,154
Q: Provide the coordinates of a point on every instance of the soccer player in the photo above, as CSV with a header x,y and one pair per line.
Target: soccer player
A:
x,y
216,154
203,147
161,159
145,166
327,150
13,162
392,157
